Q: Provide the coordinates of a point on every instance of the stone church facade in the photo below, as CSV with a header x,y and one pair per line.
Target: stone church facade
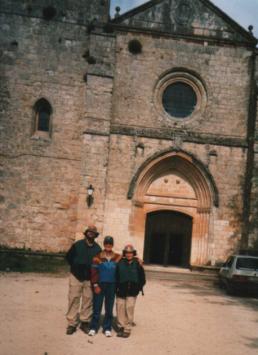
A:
x,y
153,113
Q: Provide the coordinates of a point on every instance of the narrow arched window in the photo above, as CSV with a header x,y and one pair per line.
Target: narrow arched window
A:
x,y
43,111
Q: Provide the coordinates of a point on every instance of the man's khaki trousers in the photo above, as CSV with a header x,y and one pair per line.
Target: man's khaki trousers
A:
x,y
79,301
125,312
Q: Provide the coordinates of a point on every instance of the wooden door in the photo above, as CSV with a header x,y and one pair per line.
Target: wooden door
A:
x,y
168,238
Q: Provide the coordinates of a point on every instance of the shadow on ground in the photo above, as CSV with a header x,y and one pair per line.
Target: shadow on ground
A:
x,y
252,343
206,289
211,290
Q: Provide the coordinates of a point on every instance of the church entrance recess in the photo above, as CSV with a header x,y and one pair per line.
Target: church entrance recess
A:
x,y
168,239
173,199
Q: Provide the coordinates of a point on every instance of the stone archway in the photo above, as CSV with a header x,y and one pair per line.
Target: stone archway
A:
x,y
175,181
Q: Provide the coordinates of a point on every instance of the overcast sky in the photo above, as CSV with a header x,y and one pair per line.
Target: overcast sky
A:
x,y
245,12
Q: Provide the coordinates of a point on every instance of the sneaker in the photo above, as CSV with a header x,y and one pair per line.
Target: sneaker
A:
x,y
108,333
92,332
70,330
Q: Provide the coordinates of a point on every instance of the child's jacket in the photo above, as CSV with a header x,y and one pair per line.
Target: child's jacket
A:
x,y
104,270
130,278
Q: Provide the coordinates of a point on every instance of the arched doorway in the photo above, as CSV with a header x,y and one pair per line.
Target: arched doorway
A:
x,y
176,192
168,236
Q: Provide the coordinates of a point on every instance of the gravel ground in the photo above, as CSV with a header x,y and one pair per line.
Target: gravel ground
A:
x,y
179,317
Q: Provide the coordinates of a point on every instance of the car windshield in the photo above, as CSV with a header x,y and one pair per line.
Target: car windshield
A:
x,y
247,263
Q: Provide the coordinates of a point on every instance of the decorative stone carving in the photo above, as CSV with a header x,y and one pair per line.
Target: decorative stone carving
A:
x,y
184,13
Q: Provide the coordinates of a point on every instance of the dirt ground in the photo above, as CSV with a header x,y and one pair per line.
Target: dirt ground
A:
x,y
181,318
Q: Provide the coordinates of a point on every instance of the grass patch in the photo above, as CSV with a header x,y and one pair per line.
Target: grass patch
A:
x,y
22,261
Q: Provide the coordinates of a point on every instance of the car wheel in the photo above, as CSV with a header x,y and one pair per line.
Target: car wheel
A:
x,y
221,283
229,288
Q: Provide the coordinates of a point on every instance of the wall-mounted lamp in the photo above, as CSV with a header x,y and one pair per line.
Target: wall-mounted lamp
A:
x,y
90,198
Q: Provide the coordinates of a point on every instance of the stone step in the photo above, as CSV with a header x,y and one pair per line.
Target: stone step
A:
x,y
180,274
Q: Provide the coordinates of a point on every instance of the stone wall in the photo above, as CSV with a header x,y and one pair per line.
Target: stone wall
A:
x,y
223,70
96,128
108,123
225,221
188,17
136,122
69,11
41,174
253,240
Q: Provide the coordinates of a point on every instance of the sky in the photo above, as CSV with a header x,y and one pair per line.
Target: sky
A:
x,y
245,12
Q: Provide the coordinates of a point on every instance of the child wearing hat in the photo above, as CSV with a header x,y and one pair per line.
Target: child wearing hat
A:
x,y
130,278
103,281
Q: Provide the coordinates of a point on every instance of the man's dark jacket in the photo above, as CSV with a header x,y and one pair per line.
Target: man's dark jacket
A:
x,y
130,278
80,257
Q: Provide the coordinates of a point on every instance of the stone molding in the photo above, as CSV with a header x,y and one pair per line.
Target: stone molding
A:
x,y
187,78
198,168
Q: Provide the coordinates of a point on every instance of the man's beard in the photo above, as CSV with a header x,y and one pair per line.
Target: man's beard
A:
x,y
90,240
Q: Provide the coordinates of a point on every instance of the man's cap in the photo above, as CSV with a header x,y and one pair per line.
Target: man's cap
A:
x,y
93,229
109,240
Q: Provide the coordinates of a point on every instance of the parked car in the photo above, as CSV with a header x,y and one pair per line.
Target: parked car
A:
x,y
240,274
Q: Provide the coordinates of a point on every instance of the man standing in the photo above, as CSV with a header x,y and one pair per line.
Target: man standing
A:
x,y
80,258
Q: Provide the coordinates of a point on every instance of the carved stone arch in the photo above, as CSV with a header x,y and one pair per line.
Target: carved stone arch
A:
x,y
176,181
200,169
